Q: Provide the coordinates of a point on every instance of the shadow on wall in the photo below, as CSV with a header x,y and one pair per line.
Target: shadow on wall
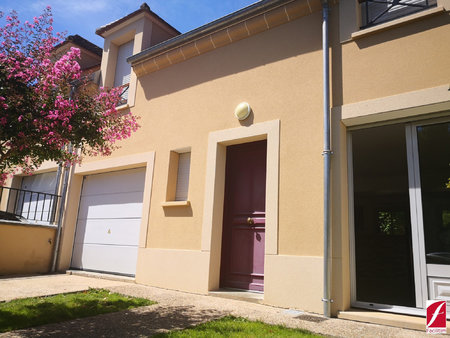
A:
x,y
178,211
405,30
139,322
256,51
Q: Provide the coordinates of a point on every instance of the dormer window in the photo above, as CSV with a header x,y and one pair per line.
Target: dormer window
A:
x,y
125,37
374,12
123,69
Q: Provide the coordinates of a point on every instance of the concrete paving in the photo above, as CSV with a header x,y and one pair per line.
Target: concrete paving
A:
x,y
175,310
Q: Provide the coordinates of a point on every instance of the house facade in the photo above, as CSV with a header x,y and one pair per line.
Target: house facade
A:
x,y
223,184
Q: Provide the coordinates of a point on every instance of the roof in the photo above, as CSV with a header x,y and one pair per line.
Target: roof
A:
x,y
144,8
81,42
226,21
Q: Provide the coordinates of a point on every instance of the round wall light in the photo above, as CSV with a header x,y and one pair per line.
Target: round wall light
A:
x,y
242,111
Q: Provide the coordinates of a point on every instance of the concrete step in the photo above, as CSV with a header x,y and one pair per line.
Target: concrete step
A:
x,y
101,275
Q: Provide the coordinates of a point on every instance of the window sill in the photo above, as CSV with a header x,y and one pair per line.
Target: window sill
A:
x,y
123,107
176,204
397,22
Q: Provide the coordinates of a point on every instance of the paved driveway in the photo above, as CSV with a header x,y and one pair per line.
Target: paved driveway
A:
x,y
175,310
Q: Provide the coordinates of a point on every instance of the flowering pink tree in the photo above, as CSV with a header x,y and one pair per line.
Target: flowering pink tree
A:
x,y
45,104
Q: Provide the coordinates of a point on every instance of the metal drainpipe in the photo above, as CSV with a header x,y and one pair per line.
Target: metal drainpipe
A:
x,y
57,187
60,216
63,200
327,163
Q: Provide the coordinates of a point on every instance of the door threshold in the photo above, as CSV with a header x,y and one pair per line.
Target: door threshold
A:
x,y
238,294
101,275
412,322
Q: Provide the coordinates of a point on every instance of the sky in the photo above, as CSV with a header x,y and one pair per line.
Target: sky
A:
x,y
83,17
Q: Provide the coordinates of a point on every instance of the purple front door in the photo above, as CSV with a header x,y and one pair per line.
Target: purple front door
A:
x,y
244,217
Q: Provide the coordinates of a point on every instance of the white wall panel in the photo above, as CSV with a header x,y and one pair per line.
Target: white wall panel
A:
x,y
105,258
119,205
111,232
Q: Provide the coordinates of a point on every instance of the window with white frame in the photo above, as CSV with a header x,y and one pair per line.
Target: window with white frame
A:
x,y
123,68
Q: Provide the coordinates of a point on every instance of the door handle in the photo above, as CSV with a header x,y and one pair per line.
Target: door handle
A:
x,y
250,221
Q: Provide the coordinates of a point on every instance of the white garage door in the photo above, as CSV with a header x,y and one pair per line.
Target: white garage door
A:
x,y
109,219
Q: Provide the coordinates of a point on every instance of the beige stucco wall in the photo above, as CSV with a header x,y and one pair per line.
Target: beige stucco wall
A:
x,y
402,59
181,104
279,72
25,249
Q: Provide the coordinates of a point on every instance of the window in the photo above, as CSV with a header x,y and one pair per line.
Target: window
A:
x,y
123,69
184,165
178,180
374,12
38,200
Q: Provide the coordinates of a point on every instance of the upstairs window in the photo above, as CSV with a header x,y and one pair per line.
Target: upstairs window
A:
x,y
123,69
374,12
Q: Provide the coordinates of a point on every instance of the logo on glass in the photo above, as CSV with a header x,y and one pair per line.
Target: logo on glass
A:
x,y
436,316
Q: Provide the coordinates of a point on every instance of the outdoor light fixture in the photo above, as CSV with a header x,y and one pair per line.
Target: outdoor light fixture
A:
x,y
242,111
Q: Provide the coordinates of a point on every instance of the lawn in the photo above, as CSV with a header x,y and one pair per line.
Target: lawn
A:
x,y
238,327
29,312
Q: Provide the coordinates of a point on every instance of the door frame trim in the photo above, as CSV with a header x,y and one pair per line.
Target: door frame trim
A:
x,y
119,163
417,230
215,188
351,222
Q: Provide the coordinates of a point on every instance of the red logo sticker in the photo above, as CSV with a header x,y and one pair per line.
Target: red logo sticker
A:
x,y
436,316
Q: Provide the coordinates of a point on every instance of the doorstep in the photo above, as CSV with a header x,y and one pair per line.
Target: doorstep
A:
x,y
386,318
99,275
247,296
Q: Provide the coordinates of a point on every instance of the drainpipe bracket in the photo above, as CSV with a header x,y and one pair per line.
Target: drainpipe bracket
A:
x,y
327,152
327,300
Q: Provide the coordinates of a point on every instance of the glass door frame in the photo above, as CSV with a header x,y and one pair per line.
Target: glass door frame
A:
x,y
417,229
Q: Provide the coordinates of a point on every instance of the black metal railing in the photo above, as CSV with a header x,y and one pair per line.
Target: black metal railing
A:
x,y
375,12
28,205
124,94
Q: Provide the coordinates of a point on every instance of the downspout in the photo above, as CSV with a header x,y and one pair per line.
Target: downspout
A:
x,y
62,202
60,216
327,164
57,188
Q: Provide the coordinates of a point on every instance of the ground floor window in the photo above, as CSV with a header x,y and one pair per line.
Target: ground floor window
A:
x,y
401,213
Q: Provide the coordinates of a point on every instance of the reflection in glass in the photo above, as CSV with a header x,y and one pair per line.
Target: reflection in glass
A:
x,y
434,162
384,264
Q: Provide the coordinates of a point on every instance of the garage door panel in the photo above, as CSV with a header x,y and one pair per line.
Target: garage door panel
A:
x,y
108,223
110,232
107,258
127,180
122,205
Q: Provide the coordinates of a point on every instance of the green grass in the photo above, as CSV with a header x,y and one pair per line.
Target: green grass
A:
x,y
238,327
29,312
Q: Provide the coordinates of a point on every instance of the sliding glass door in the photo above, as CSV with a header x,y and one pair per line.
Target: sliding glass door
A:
x,y
401,214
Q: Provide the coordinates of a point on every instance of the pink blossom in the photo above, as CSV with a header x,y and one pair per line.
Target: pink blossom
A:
x,y
55,117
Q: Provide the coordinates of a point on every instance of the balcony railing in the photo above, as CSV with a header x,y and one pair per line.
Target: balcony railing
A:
x,y
374,12
28,205
124,94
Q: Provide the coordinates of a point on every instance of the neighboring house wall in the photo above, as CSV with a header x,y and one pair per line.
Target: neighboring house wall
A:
x,y
25,249
396,72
